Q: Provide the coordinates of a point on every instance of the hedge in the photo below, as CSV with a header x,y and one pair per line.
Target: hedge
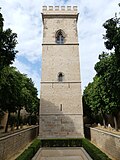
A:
x,y
30,152
74,142
35,145
93,151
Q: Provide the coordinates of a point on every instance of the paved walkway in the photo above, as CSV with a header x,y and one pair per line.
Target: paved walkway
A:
x,y
62,154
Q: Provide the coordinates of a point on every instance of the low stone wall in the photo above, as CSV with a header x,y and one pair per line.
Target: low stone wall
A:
x,y
11,144
108,142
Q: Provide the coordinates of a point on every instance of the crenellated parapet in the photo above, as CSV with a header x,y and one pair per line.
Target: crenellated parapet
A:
x,y
60,8
60,11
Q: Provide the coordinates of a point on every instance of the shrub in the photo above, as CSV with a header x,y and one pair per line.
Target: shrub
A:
x,y
35,145
30,152
26,155
93,151
61,142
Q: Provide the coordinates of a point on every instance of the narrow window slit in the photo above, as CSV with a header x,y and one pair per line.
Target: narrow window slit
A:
x,y
61,108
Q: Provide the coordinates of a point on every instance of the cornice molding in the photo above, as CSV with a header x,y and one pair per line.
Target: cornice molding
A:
x,y
60,44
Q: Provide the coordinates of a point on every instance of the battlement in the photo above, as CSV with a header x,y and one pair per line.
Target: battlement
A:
x,y
59,8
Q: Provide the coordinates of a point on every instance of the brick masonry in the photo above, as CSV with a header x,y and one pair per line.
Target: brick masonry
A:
x,y
12,144
108,142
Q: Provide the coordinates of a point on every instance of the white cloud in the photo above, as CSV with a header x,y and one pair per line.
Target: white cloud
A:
x,y
24,18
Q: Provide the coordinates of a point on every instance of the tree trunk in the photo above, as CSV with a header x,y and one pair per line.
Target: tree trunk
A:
x,y
18,118
6,127
104,122
115,122
103,116
30,120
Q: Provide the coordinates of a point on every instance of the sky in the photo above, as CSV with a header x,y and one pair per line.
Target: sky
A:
x,y
24,18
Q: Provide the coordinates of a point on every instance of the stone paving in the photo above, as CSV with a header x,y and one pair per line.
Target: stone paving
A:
x,y
75,153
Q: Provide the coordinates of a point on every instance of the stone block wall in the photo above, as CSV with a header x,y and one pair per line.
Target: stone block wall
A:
x,y
61,113
108,142
12,144
61,126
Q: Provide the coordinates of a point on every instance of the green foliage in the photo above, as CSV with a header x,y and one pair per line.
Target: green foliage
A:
x,y
7,45
35,145
112,36
87,112
27,97
19,92
95,96
109,74
102,96
26,155
93,151
30,152
108,68
9,89
65,142
8,78
1,22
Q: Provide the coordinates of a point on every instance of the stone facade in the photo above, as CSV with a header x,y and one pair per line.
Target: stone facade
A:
x,y
61,113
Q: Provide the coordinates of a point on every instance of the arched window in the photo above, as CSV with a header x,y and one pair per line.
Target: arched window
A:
x,y
60,77
60,37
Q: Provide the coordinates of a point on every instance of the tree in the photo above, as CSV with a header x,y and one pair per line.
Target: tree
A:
x,y
7,54
1,22
112,36
16,89
7,45
95,98
33,101
108,68
108,71
87,112
27,96
9,90
103,94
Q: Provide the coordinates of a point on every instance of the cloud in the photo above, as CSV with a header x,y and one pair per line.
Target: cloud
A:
x,y
24,18
92,16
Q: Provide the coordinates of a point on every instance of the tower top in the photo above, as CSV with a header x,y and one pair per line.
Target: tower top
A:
x,y
60,11
59,8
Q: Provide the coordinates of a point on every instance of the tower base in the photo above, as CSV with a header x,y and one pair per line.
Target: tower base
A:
x,y
61,126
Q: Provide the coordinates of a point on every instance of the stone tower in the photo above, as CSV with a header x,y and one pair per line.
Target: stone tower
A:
x,y
61,113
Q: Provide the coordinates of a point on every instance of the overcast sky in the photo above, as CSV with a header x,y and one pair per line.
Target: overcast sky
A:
x,y
24,18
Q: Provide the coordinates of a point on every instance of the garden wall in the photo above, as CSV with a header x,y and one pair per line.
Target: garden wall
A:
x,y
108,142
13,143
